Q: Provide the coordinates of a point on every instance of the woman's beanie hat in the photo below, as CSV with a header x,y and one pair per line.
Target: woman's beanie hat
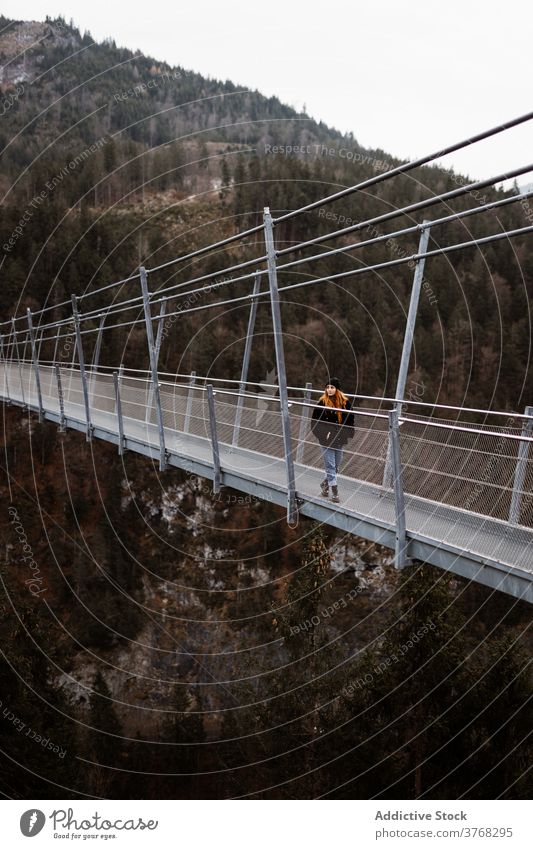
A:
x,y
334,381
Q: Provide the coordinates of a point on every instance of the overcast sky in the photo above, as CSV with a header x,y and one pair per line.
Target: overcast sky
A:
x,y
408,77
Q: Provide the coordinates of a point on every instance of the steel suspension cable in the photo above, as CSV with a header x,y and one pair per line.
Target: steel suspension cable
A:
x,y
408,166
414,207
336,196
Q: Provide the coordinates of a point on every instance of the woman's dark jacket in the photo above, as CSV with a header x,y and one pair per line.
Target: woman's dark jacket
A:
x,y
325,425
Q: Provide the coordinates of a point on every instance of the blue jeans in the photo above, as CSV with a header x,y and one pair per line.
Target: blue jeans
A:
x,y
332,463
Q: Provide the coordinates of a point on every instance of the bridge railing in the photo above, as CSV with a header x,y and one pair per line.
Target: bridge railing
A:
x,y
482,467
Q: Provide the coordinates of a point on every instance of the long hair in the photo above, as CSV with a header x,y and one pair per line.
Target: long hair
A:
x,y
338,400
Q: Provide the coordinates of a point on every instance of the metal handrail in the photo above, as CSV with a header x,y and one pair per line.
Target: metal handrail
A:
x,y
377,398
358,411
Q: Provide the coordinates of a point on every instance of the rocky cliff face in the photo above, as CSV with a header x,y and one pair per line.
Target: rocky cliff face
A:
x,y
189,634
21,49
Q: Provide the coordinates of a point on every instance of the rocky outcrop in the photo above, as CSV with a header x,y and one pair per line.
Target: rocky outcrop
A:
x,y
21,49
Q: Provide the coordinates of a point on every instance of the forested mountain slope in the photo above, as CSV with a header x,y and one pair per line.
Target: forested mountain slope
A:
x,y
111,158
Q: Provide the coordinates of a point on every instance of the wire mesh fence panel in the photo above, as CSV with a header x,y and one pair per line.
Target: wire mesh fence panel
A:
x,y
49,390
260,427
257,416
525,493
48,382
174,405
472,471
198,418
225,418
17,381
134,396
21,381
461,464
33,396
102,392
150,413
4,384
72,388
6,381
366,450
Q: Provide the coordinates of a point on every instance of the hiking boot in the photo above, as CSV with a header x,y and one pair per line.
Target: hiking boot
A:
x,y
335,494
324,488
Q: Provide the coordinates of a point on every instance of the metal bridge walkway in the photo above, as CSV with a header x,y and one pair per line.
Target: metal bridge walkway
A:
x,y
486,549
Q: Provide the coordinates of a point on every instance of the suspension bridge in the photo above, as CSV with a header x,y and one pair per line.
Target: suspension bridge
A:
x,y
452,486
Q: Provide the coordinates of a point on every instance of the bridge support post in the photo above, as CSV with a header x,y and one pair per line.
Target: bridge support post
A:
x,y
15,342
5,368
98,345
188,409
303,423
158,340
153,369
62,421
56,344
81,361
292,505
9,356
214,438
246,359
12,354
73,361
118,407
520,471
408,339
66,351
160,323
400,550
96,355
26,362
40,344
35,364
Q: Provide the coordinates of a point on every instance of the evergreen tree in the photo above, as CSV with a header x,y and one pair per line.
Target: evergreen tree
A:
x,y
104,741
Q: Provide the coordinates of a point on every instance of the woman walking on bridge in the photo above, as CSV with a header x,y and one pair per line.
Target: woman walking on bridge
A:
x,y
332,423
